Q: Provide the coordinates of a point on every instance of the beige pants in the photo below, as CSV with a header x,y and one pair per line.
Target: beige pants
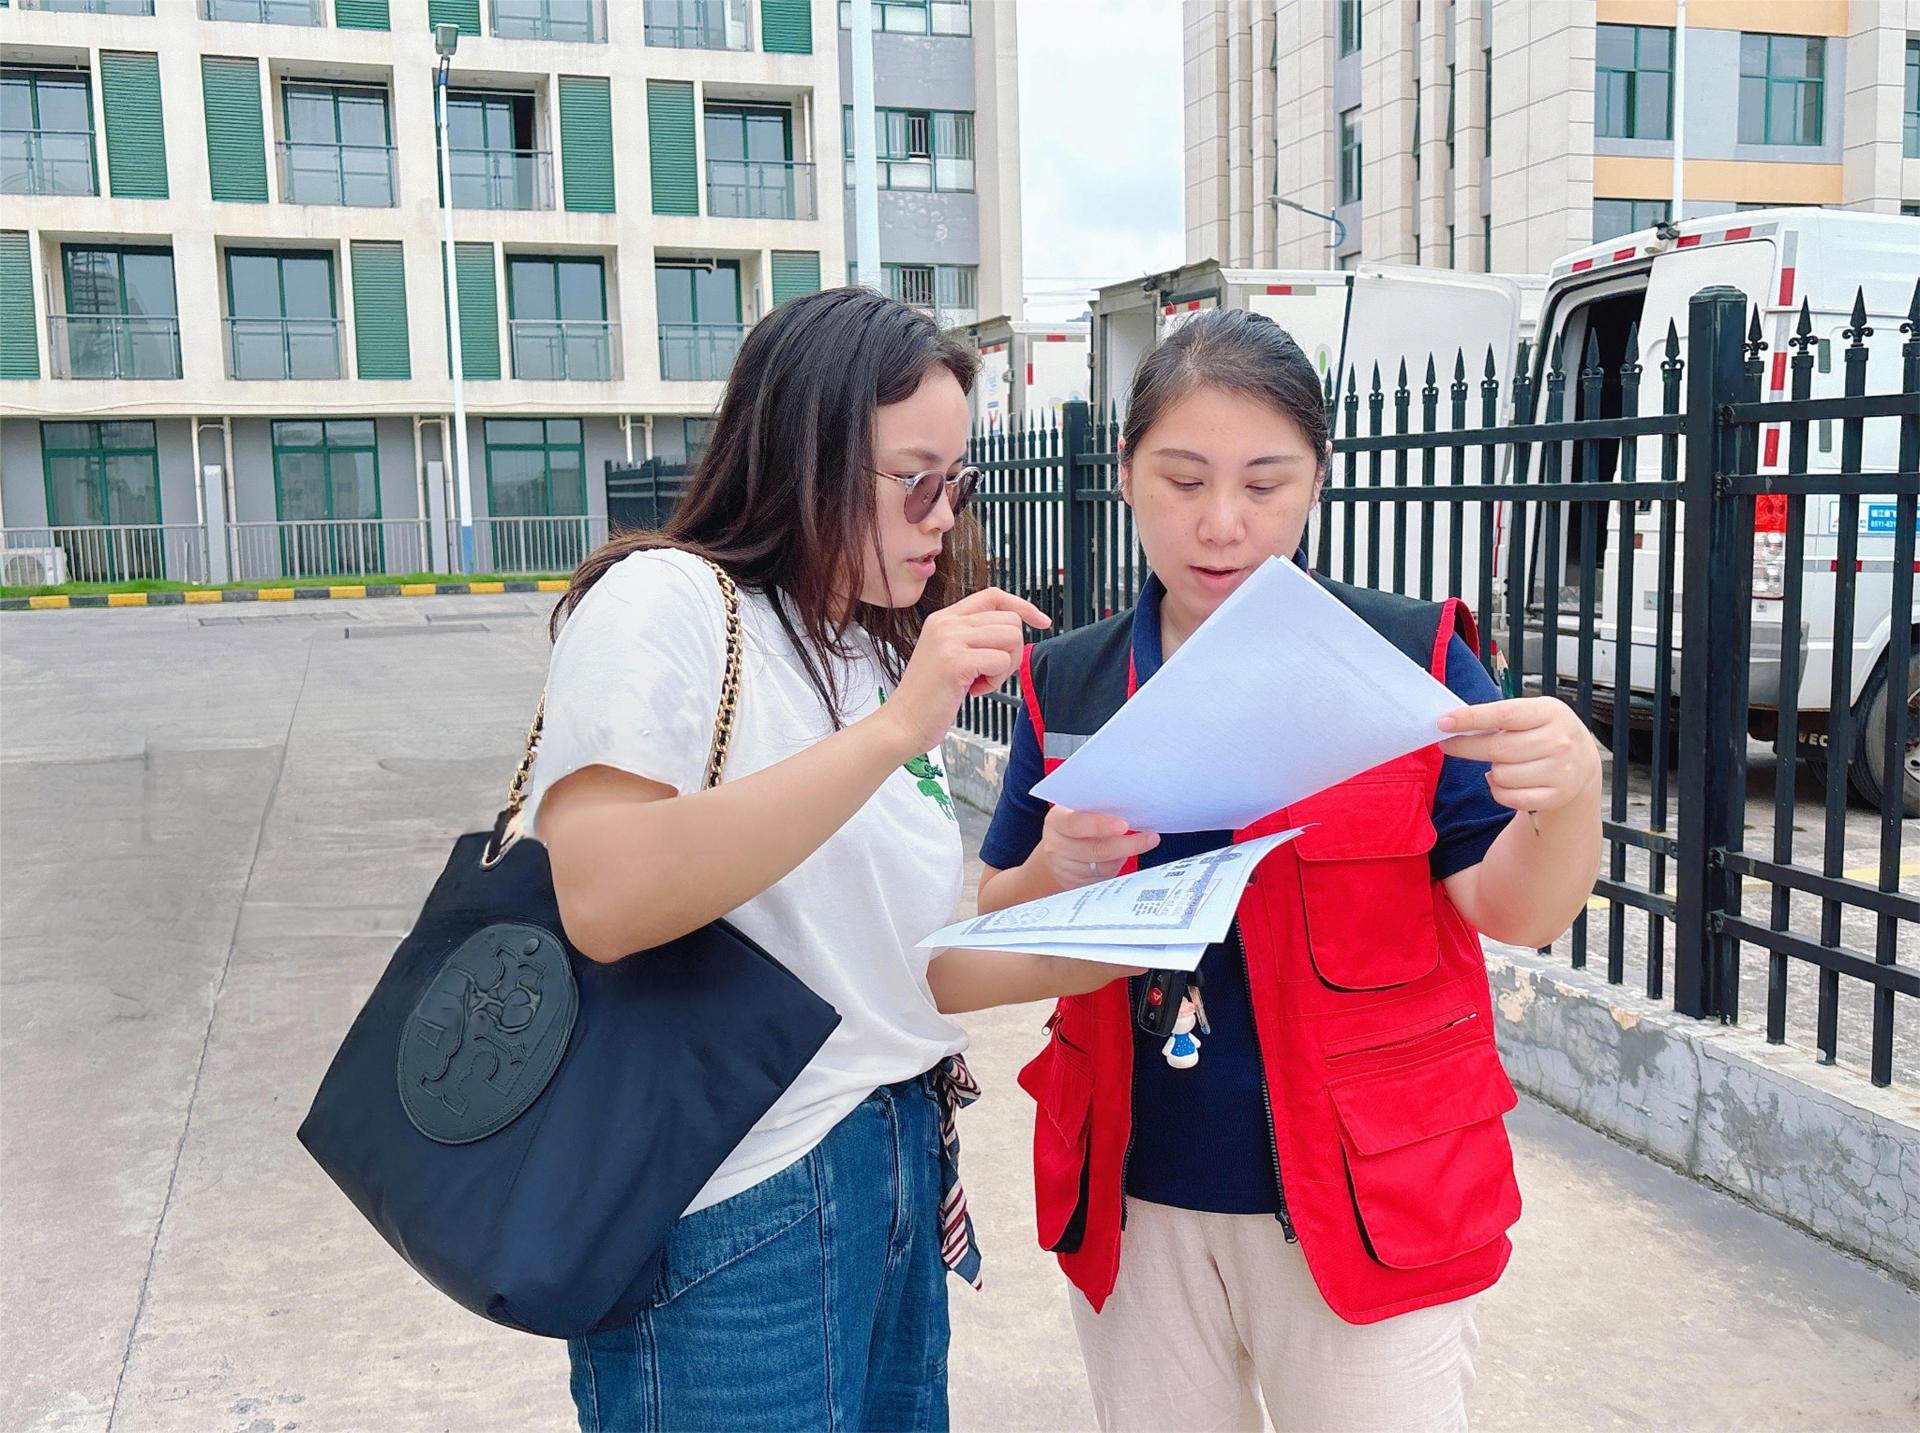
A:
x,y
1213,1311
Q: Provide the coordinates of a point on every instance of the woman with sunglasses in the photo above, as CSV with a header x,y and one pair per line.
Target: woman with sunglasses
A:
x,y
805,1285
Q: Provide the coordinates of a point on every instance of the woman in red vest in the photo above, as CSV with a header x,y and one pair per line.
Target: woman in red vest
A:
x,y
1313,1188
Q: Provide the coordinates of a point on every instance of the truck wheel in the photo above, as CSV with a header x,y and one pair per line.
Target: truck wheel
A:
x,y
1869,773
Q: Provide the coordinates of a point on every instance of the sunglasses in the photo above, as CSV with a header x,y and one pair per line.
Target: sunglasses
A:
x,y
923,490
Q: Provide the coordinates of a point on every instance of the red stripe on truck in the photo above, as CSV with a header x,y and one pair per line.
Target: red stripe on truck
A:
x,y
1744,232
1779,371
1786,288
1688,241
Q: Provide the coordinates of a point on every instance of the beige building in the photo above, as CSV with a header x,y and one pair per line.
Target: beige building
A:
x,y
1500,134
223,327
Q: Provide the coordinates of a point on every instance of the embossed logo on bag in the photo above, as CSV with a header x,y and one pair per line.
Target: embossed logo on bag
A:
x,y
488,1034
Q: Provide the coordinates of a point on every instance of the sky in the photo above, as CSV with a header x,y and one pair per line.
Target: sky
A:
x,y
1100,146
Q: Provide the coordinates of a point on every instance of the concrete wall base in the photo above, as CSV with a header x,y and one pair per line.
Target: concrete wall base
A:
x,y
1815,1145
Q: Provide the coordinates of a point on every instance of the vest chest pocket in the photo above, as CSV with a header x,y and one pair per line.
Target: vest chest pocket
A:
x,y
1365,885
1060,1079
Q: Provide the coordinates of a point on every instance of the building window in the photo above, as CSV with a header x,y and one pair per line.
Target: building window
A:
x,y
1349,26
697,24
1782,89
263,12
1450,107
1911,146
750,168
699,433
1486,242
1633,82
583,22
46,132
1911,210
947,291
122,318
1450,250
326,495
1614,217
1350,157
1416,137
699,319
104,475
915,17
491,150
1486,59
281,320
917,149
536,473
557,319
339,146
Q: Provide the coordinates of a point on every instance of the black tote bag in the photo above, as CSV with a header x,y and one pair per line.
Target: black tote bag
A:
x,y
524,1125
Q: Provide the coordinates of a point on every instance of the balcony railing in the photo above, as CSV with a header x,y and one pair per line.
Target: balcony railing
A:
x,y
106,552
575,350
583,22
89,7
533,544
265,12
698,24
353,175
502,178
760,189
329,547
283,348
700,352
47,161
113,345
928,175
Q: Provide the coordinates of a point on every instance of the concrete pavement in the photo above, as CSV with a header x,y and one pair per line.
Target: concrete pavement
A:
x,y
213,830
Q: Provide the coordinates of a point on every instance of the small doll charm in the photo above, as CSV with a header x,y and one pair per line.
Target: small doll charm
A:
x,y
1182,1049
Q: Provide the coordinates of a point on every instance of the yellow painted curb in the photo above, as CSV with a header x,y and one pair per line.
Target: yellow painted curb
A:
x,y
43,604
553,584
275,594
126,599
417,589
347,590
486,587
200,597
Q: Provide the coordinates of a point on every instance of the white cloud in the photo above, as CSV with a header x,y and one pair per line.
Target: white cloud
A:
x,y
1100,146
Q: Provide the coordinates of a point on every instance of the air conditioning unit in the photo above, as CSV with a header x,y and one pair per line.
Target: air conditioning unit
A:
x,y
34,566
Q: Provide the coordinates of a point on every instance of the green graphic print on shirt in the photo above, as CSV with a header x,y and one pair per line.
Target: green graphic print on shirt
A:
x,y
927,775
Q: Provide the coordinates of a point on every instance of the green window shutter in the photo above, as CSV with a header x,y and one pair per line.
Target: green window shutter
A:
x,y
19,345
478,295
236,132
464,13
360,15
786,27
670,151
794,274
586,144
380,311
136,135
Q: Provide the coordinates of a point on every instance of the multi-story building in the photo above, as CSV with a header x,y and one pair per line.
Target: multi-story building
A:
x,y
947,144
1500,134
224,336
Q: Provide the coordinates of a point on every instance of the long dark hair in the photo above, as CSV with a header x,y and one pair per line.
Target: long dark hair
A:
x,y
1236,350
783,495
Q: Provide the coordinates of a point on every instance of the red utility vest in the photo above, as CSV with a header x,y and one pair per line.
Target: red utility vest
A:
x,y
1371,1011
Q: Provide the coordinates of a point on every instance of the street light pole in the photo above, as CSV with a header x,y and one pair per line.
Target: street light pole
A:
x,y
446,38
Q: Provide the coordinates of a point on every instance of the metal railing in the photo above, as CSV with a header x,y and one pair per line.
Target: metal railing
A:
x,y
103,552
533,544
83,345
1599,552
502,178
328,547
577,350
583,22
348,175
928,174
701,352
643,495
698,24
283,348
265,12
89,7
47,161
760,189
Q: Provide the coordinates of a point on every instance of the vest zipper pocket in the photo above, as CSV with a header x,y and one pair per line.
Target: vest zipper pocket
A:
x,y
1266,1094
1398,1041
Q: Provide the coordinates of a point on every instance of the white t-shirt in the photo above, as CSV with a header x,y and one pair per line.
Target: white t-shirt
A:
x,y
634,683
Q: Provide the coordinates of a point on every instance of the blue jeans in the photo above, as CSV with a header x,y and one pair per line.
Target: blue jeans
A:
x,y
815,1300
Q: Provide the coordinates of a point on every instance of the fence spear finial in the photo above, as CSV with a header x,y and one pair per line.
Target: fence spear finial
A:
x,y
1630,360
1803,338
1912,325
1857,329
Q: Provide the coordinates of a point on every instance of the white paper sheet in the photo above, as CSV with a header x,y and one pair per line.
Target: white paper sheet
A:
x,y
1163,917
1283,692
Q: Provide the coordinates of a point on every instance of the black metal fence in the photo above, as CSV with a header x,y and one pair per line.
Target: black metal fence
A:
x,y
1610,556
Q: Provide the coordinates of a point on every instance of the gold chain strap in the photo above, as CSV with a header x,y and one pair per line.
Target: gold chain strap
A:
x,y
722,725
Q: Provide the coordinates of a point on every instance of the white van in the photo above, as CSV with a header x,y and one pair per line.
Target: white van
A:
x,y
1028,371
1779,258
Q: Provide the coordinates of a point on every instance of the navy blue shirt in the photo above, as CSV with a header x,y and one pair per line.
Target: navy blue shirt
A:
x,y
1201,1139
